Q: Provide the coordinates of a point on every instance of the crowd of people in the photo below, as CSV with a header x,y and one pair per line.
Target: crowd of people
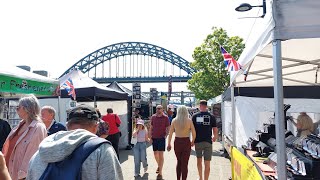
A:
x,y
195,131
39,147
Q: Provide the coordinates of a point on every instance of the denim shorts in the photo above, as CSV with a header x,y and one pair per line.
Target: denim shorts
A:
x,y
158,144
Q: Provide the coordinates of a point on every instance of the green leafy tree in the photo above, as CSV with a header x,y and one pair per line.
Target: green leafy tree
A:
x,y
212,78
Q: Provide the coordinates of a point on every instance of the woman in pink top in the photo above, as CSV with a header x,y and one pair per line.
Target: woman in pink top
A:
x,y
23,141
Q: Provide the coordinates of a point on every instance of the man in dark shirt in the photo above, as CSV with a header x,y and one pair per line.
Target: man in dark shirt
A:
x,y
4,131
204,124
47,115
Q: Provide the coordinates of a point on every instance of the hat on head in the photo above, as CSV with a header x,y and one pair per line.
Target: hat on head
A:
x,y
140,121
83,112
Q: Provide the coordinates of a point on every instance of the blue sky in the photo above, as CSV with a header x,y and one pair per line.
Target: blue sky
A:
x,y
53,35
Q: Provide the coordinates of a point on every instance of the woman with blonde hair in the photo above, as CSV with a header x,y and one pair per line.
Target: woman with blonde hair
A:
x,y
304,125
23,141
182,125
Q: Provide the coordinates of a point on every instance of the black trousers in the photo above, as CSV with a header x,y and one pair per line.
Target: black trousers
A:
x,y
114,139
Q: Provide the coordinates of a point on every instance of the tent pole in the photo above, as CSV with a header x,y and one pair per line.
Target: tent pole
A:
x,y
279,112
59,109
94,102
233,116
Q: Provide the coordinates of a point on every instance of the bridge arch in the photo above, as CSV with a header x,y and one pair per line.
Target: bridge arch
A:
x,y
130,48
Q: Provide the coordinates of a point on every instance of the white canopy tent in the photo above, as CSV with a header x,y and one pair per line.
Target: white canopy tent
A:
x,y
20,73
19,81
291,22
287,22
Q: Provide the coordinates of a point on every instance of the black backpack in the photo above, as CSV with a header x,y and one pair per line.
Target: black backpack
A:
x,y
70,168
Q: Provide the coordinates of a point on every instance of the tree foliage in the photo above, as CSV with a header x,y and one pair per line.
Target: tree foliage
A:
x,y
212,78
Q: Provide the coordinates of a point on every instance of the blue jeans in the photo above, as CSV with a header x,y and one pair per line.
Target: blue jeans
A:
x,y
140,155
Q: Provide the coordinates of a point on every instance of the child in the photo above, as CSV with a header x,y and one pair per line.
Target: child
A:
x,y
140,149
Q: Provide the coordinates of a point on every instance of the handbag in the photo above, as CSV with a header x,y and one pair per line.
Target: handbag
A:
x,y
134,140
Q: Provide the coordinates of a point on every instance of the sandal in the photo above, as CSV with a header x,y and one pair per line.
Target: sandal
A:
x,y
159,177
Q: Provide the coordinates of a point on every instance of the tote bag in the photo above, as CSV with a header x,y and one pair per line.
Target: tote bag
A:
x,y
134,140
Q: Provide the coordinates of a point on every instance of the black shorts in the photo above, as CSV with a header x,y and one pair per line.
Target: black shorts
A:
x,y
158,144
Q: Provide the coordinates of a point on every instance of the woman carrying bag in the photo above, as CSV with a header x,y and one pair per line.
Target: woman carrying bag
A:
x,y
114,133
140,139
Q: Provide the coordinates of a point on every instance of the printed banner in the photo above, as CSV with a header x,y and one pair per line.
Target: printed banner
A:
x,y
23,86
243,167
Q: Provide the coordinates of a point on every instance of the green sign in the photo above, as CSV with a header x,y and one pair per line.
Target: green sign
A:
x,y
23,86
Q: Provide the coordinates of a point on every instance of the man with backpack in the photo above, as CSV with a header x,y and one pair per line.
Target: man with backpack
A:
x,y
77,153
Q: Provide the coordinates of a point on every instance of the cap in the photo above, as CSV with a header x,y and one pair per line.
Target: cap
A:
x,y
140,121
83,112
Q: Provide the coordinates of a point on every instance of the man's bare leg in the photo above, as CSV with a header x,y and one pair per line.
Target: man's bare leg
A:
x,y
206,170
161,161
199,165
156,156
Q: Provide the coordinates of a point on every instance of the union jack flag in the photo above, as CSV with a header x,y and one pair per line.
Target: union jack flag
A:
x,y
231,64
68,85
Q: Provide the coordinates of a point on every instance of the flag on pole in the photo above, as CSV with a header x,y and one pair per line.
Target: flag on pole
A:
x,y
231,64
68,85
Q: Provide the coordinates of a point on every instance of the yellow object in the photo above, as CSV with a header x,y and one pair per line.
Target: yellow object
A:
x,y
242,167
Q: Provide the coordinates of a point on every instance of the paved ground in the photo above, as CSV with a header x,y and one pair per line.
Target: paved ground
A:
x,y
220,166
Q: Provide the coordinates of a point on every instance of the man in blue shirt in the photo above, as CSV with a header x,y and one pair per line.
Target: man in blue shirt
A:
x,y
47,115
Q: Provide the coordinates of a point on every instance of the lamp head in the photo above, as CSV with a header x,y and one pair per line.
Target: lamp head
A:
x,y
243,7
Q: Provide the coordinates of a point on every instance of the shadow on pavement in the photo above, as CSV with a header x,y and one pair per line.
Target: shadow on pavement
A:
x,y
124,155
144,177
214,153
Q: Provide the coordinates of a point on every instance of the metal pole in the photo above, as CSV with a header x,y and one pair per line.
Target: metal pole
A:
x,y
182,98
233,117
222,116
94,102
59,109
279,113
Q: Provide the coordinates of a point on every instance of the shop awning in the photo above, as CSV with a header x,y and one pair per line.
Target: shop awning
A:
x,y
14,80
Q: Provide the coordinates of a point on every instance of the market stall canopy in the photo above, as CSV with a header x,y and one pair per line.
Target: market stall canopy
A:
x,y
116,86
18,81
87,89
300,57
